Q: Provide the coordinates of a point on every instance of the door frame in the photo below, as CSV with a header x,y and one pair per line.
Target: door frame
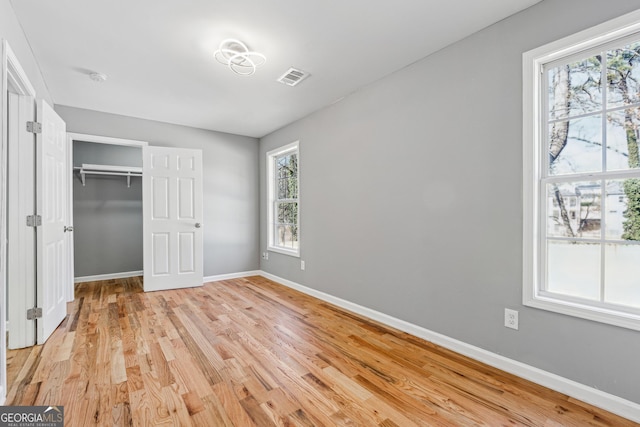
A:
x,y
98,139
21,239
14,76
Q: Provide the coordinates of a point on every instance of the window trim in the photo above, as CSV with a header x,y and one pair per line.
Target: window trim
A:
x,y
293,147
532,66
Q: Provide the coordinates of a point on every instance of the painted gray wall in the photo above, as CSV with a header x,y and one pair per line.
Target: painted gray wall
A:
x,y
11,30
411,201
107,215
230,223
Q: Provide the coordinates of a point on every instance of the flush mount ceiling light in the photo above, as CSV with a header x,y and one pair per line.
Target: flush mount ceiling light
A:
x,y
237,56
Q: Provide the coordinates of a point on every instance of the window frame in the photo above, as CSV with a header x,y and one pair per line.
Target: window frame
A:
x,y
272,201
534,193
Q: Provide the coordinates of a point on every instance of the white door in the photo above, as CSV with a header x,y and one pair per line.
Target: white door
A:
x,y
172,217
51,205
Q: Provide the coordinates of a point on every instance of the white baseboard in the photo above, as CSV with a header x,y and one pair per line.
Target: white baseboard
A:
x,y
232,276
126,274
110,276
590,395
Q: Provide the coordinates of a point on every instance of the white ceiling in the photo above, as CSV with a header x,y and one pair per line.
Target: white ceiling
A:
x,y
158,53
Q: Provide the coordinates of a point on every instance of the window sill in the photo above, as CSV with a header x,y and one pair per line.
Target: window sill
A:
x,y
292,253
584,311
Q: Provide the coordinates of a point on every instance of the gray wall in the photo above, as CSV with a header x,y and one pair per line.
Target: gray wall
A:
x,y
107,215
11,31
230,223
411,201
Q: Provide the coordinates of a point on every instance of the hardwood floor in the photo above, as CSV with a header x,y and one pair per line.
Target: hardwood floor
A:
x,y
250,352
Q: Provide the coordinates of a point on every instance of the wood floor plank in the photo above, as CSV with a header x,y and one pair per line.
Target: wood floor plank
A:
x,y
231,405
249,352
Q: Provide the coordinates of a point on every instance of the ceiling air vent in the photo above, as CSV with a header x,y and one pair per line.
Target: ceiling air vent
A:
x,y
293,76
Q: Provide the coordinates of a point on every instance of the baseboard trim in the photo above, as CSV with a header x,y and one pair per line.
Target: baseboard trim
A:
x,y
609,402
110,276
126,274
219,277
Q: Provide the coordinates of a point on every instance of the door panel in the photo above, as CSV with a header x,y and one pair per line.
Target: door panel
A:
x,y
187,252
160,198
161,254
172,212
51,205
186,198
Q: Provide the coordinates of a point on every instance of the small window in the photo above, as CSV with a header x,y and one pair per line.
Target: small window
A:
x,y
283,210
582,174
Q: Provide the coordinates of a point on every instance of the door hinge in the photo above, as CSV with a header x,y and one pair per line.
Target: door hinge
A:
x,y
34,220
34,127
34,313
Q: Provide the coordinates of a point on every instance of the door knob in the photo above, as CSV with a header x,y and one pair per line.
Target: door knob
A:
x,y
198,225
68,228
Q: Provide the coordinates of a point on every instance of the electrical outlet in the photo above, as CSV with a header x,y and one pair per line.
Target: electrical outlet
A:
x,y
511,318
301,265
265,256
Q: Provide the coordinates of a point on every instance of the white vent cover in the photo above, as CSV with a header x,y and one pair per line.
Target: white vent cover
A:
x,y
293,76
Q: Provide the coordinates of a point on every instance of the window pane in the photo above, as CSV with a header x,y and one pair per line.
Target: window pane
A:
x,y
287,176
575,146
575,88
283,188
281,167
287,236
574,269
622,139
287,213
287,165
623,74
622,275
573,209
622,207
288,188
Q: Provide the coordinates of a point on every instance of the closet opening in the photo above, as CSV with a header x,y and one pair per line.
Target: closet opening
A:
x,y
106,208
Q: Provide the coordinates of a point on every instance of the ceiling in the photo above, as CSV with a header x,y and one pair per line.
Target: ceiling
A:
x,y
158,54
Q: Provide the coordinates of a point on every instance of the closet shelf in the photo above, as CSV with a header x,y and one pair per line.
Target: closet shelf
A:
x,y
88,169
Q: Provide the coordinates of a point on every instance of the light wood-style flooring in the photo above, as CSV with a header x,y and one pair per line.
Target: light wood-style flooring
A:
x,y
249,352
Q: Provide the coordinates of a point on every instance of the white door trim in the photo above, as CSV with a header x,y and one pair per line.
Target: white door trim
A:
x,y
21,239
105,140
98,139
12,73
69,273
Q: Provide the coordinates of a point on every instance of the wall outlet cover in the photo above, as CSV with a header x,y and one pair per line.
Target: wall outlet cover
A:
x,y
511,318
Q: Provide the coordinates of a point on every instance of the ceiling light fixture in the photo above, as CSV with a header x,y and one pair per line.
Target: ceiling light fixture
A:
x,y
237,56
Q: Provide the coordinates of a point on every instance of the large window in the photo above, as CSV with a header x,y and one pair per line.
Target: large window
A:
x,y
283,209
582,174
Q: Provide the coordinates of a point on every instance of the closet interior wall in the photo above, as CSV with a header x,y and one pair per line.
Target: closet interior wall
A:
x,y
107,214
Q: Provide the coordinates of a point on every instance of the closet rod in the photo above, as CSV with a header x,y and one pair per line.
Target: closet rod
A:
x,y
110,171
